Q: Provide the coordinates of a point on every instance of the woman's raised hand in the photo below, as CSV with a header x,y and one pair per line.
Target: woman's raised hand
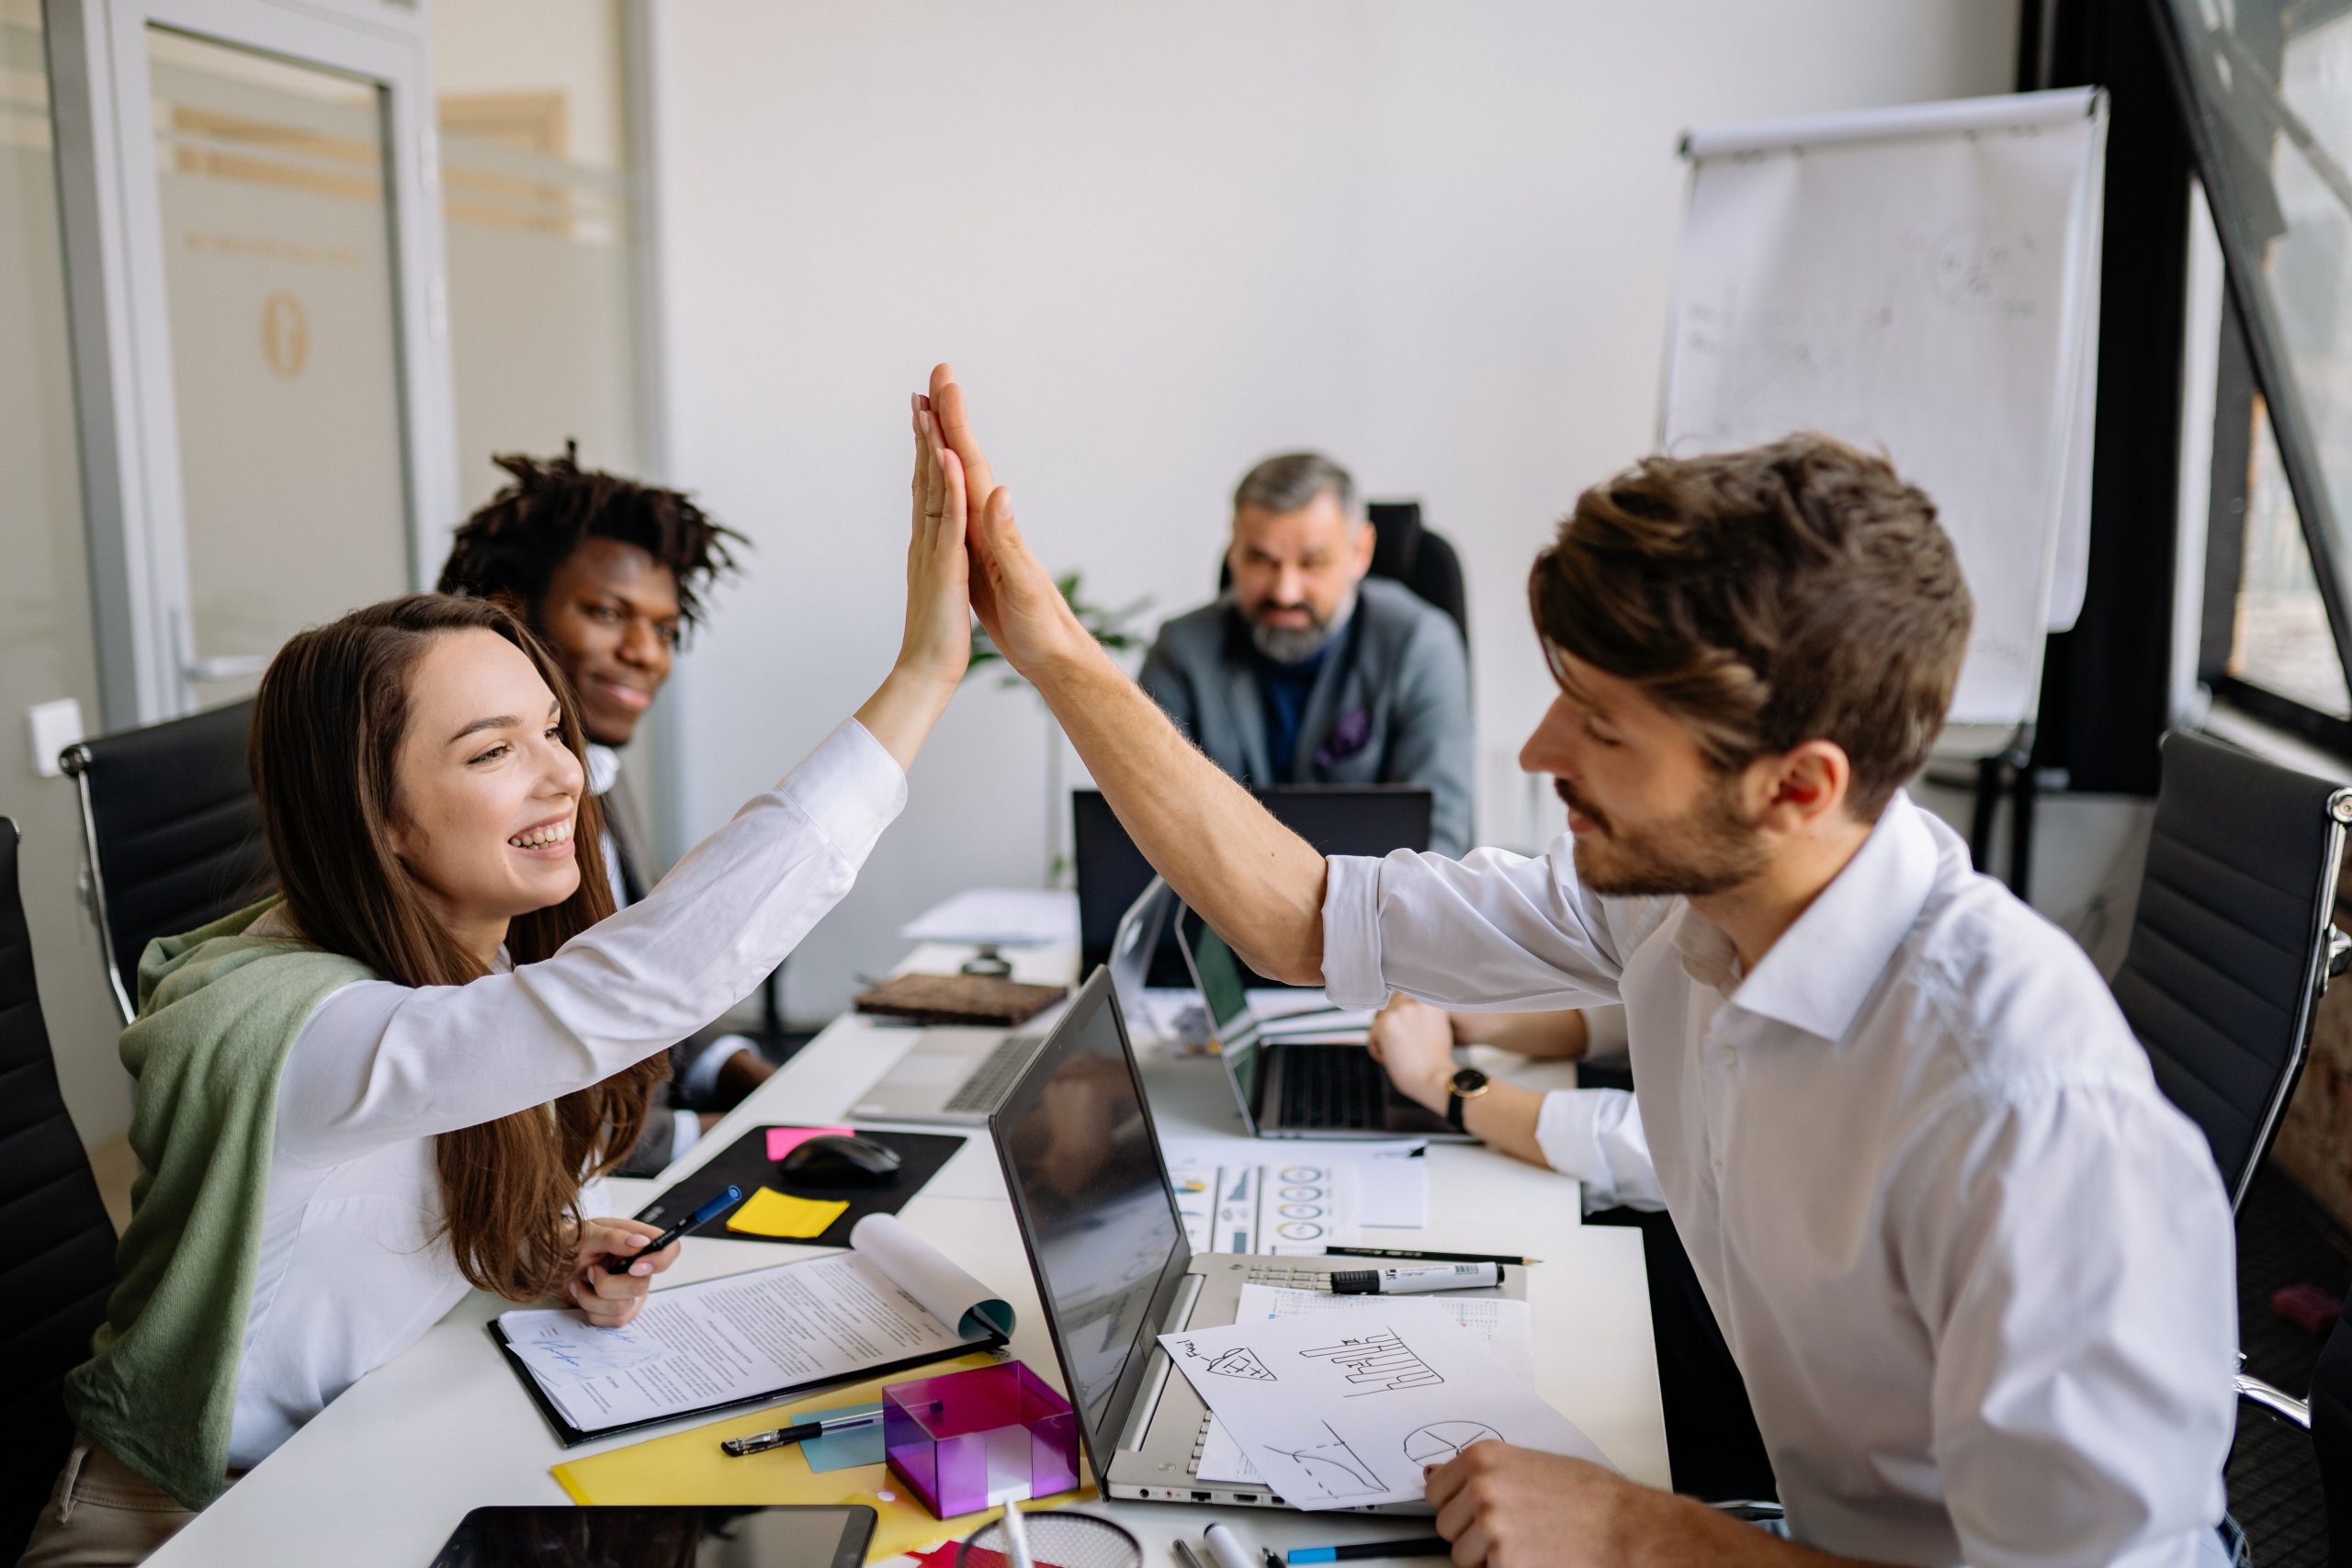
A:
x,y
938,642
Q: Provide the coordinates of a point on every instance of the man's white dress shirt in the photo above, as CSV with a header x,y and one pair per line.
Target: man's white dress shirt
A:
x,y
1977,1273
353,1268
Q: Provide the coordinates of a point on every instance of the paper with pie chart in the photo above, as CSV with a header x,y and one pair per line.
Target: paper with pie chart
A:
x,y
1340,1410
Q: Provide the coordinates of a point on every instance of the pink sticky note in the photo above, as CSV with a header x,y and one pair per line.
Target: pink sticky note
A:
x,y
782,1141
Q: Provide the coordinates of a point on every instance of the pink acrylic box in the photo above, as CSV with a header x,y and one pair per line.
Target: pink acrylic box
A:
x,y
972,1440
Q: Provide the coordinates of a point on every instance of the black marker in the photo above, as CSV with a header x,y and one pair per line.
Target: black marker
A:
x,y
1409,1256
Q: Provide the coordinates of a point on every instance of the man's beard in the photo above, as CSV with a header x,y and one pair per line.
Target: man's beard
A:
x,y
1709,849
1292,645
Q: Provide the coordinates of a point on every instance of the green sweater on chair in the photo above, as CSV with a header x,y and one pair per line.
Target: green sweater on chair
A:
x,y
217,1012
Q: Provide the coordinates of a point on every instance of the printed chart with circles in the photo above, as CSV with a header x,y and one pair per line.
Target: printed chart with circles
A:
x,y
1440,1441
1299,1205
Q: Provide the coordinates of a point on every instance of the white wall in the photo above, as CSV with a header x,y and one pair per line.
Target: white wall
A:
x,y
1159,243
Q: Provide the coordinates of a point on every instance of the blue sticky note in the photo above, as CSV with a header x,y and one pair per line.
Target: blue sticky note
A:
x,y
841,1450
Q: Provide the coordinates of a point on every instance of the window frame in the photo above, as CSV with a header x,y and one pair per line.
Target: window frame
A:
x,y
129,418
2252,362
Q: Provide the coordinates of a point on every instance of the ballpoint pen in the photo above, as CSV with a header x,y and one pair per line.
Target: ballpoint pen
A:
x,y
694,1222
1418,1546
801,1431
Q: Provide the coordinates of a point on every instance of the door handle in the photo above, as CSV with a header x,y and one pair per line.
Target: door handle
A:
x,y
226,667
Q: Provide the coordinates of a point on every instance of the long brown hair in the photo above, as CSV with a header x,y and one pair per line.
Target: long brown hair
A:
x,y
326,732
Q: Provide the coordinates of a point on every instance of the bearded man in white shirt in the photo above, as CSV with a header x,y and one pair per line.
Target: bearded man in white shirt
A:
x,y
1976,1272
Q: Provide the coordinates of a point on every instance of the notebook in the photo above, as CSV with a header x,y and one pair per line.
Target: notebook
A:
x,y
958,999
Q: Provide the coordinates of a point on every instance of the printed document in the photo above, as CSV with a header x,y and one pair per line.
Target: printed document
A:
x,y
891,1298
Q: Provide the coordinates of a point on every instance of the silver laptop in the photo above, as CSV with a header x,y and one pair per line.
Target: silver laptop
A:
x,y
1291,1088
959,1077
1099,1220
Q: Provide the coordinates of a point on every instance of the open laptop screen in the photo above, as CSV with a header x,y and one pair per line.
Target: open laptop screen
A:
x,y
1140,930
1104,1237
1227,997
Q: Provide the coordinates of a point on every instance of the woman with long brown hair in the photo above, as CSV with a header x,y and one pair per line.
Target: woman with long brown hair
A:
x,y
394,1079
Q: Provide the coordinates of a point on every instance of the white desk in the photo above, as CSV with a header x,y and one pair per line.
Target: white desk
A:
x,y
386,1472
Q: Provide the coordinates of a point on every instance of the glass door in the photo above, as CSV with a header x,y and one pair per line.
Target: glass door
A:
x,y
257,251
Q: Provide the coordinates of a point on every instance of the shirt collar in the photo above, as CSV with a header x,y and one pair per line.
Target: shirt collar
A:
x,y
1817,976
604,767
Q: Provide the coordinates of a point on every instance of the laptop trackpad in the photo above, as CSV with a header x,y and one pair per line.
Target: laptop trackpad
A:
x,y
930,1069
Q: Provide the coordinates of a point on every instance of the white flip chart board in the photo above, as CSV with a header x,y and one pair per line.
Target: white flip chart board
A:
x,y
1922,281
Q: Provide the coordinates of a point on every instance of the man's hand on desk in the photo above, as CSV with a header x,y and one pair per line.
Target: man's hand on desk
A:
x,y
1414,1043
1511,1508
607,1300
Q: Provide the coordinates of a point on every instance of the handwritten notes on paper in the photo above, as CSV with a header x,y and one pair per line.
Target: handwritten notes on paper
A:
x,y
1502,1326
1346,1409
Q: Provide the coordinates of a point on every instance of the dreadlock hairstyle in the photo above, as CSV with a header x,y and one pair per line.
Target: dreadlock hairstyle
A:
x,y
512,547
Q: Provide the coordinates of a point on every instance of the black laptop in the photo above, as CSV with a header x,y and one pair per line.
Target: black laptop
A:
x,y
1338,819
1294,1088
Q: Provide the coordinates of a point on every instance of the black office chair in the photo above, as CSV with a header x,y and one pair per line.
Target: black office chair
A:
x,y
60,1261
172,832
2326,1414
1404,551
2233,942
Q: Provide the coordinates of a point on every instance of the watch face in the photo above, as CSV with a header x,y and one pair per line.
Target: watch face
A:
x,y
1468,1080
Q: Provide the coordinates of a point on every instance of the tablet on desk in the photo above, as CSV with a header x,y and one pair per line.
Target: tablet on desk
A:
x,y
563,1537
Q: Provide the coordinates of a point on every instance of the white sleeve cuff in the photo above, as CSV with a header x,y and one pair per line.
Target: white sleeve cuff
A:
x,y
699,1082
850,788
1351,977
1596,1136
685,1132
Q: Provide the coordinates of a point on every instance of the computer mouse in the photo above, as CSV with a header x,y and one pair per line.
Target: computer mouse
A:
x,y
837,1161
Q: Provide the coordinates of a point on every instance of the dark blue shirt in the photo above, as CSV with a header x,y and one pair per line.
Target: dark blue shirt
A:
x,y
1285,689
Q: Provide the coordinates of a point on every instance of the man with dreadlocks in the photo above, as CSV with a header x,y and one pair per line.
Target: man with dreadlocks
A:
x,y
610,573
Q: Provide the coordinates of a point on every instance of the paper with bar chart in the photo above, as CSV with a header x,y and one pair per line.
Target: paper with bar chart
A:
x,y
1339,1410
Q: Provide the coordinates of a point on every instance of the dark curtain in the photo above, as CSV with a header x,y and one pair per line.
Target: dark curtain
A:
x,y
2104,684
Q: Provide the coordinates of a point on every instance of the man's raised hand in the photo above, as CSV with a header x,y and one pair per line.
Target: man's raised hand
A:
x,y
1014,596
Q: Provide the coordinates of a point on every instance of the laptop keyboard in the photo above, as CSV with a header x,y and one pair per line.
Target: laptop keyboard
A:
x,y
1272,1271
1331,1086
980,1094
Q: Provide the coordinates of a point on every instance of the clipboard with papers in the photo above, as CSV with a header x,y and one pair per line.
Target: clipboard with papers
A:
x,y
891,1302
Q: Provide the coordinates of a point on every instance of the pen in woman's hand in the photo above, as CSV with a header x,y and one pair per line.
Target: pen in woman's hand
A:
x,y
692,1222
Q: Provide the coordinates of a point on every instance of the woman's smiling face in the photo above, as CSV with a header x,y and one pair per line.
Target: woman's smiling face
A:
x,y
487,792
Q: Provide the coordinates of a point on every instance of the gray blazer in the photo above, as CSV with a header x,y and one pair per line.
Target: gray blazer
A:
x,y
1390,706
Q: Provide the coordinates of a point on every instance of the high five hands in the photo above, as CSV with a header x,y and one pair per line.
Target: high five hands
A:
x,y
1016,597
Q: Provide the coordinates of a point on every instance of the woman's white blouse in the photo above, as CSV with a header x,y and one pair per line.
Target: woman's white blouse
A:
x,y
353,1266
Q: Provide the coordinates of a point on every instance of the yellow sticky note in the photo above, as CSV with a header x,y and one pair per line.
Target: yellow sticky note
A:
x,y
773,1213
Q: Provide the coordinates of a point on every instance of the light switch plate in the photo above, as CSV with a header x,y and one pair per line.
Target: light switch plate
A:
x,y
54,726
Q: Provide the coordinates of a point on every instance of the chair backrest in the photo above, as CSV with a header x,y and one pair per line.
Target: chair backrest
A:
x,y
1403,550
60,1261
172,831
2232,944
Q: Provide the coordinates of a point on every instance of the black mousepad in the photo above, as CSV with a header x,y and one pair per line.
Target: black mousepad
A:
x,y
746,1165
